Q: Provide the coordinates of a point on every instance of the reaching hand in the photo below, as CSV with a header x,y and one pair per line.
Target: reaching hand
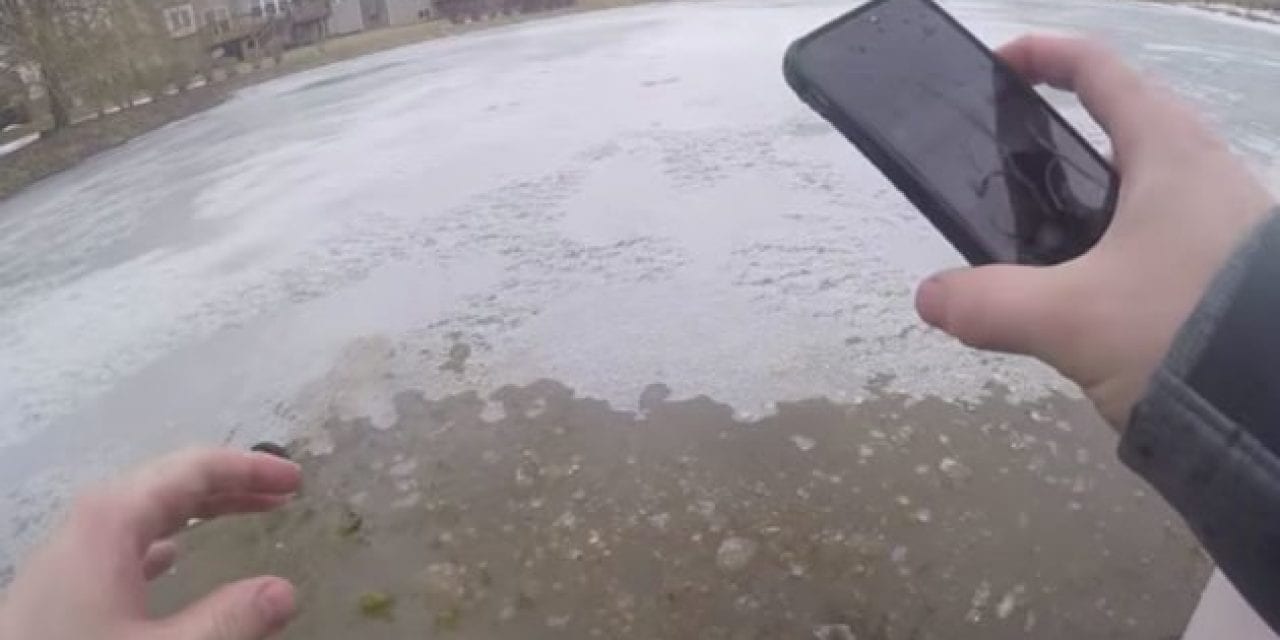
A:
x,y
89,579
1106,319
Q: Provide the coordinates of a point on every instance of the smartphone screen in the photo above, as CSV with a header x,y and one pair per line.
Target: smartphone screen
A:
x,y
961,130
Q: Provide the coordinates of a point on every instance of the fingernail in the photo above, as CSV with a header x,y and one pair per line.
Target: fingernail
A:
x,y
275,459
931,302
274,601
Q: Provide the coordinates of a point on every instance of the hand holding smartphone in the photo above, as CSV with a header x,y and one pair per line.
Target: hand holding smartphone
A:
x,y
995,168
1182,202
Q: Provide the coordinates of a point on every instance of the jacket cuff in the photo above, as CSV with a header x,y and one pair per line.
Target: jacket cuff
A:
x,y
1207,433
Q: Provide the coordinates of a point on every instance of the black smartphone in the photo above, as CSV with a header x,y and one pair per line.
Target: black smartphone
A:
x,y
973,146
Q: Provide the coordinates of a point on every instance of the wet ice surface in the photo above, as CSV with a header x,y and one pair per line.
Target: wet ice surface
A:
x,y
608,200
559,517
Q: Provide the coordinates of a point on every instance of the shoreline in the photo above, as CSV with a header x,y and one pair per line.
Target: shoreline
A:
x,y
52,153
59,151
1253,14
1269,16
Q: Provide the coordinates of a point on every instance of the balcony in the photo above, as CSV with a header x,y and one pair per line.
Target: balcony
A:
x,y
299,22
303,11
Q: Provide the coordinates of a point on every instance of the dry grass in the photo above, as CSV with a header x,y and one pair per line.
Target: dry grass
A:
x,y
1260,6
63,149
358,44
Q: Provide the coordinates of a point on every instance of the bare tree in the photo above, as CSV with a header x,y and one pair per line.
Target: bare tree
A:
x,y
35,32
92,53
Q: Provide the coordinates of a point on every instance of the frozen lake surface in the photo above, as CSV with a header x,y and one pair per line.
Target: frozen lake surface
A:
x,y
609,200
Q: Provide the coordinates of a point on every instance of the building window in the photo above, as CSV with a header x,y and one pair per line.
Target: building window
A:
x,y
269,7
181,20
218,20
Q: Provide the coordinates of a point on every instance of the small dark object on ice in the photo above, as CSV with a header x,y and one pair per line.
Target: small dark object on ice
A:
x,y
376,604
351,523
271,448
458,355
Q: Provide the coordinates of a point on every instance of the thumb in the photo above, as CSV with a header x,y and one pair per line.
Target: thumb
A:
x,y
998,307
251,609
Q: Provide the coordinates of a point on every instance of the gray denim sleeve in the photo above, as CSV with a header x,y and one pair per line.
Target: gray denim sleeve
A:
x,y
1207,433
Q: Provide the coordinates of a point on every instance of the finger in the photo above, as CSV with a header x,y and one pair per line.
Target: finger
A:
x,y
1113,93
227,504
163,496
999,307
159,558
247,610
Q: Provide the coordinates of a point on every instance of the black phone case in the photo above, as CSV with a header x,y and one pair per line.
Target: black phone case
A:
x,y
885,158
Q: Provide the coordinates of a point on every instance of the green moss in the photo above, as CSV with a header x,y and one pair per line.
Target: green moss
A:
x,y
376,604
448,619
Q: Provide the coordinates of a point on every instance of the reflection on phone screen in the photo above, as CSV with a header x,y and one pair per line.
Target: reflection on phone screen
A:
x,y
1024,185
1044,186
